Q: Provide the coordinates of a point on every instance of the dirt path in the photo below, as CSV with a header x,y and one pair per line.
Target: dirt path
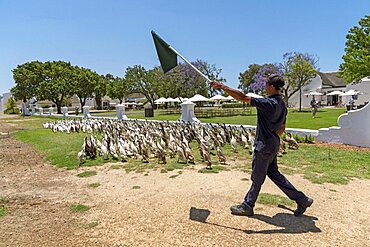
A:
x,y
155,210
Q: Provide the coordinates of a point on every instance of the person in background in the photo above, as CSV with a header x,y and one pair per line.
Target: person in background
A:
x,y
271,118
351,103
313,104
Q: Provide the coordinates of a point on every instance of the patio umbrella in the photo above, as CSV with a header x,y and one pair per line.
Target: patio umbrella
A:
x,y
253,95
218,98
160,100
335,93
198,97
230,98
350,92
169,99
313,93
177,100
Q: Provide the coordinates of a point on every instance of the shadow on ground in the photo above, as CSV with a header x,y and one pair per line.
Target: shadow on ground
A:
x,y
287,222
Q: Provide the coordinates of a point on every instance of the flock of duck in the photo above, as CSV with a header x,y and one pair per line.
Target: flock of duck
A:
x,y
143,140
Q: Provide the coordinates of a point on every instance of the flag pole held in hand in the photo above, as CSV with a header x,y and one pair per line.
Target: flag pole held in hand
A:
x,y
168,56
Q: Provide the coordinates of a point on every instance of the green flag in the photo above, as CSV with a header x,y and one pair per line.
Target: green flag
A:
x,y
167,57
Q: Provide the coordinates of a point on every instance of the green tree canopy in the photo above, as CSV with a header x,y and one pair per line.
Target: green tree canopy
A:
x,y
118,88
85,82
356,63
58,82
147,82
27,78
101,89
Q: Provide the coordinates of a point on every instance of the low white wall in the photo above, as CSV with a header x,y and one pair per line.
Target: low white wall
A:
x,y
354,129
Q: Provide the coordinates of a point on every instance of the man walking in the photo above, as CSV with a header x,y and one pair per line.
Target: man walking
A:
x,y
313,106
271,117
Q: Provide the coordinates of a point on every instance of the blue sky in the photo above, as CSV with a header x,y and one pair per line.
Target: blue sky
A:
x,y
108,36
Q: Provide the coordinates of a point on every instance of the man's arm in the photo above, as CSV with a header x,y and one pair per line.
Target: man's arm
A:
x,y
281,130
236,94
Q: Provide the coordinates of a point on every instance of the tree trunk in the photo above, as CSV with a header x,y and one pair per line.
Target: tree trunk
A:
x,y
286,99
59,107
23,106
82,102
98,102
300,99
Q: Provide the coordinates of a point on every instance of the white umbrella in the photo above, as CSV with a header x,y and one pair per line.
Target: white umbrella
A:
x,y
253,95
160,100
230,97
350,93
198,97
313,93
218,98
335,93
169,100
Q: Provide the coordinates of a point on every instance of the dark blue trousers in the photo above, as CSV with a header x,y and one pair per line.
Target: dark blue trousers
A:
x,y
266,164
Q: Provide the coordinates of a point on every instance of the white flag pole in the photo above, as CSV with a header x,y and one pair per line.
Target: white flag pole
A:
x,y
186,61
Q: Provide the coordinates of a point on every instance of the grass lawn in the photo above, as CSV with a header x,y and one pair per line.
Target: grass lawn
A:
x,y
325,117
319,164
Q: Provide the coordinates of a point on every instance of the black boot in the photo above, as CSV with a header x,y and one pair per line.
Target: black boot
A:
x,y
302,207
242,209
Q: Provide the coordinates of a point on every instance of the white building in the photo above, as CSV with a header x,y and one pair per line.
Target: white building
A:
x,y
3,99
328,82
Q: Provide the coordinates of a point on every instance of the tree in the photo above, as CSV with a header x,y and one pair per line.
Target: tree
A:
x,y
260,78
118,88
27,78
58,82
85,83
145,82
298,69
188,82
246,78
11,104
212,72
356,63
101,89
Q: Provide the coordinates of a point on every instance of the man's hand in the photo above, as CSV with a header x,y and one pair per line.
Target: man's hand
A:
x,y
238,95
216,84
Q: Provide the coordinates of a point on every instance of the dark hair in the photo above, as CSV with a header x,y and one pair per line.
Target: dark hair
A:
x,y
276,80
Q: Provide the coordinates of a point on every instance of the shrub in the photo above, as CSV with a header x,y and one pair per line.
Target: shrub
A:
x,y
11,106
309,139
298,138
12,111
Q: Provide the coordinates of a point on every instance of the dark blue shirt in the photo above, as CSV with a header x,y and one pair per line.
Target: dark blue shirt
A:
x,y
271,114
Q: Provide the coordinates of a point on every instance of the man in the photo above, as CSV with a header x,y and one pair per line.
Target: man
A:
x,y
351,103
271,116
313,106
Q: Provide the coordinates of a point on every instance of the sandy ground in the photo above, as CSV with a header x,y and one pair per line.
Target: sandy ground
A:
x,y
191,209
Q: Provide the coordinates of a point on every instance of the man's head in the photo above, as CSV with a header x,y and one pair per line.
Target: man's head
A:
x,y
274,84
